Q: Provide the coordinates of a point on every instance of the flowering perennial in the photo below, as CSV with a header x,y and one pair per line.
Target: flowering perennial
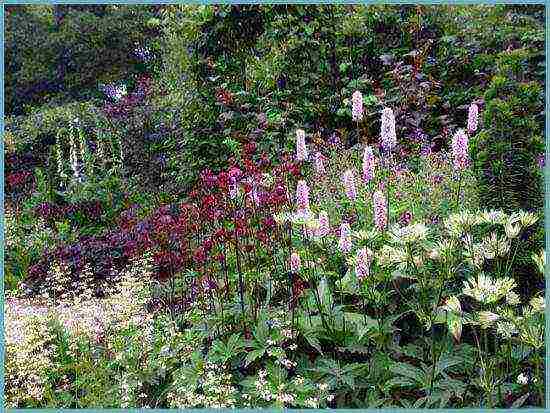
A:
x,y
319,163
380,210
295,262
362,263
368,164
459,145
345,238
301,148
388,138
302,197
349,184
472,118
357,106
324,227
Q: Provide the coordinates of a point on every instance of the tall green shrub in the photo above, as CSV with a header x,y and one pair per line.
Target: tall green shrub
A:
x,y
506,149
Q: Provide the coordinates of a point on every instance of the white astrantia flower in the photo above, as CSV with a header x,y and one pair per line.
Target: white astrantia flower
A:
x,y
487,290
522,379
409,234
495,217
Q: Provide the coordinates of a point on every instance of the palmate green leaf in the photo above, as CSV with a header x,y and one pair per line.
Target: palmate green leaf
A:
x,y
409,371
446,362
453,386
310,335
413,351
253,355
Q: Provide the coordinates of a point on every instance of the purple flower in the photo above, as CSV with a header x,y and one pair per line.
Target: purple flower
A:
x,y
368,164
357,106
405,218
302,196
459,146
362,264
426,150
295,262
319,163
301,148
380,210
349,184
388,138
324,225
541,161
345,238
472,118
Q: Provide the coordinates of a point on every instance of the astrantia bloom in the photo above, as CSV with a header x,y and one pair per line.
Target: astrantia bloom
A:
x,y
302,196
357,106
459,145
345,238
368,164
324,225
388,138
380,210
349,184
295,262
362,263
301,148
319,163
472,118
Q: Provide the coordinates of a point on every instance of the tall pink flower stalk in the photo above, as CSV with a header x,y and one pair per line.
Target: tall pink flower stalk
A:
x,y
388,137
459,146
345,238
324,225
319,163
348,179
380,210
368,164
295,262
362,264
473,114
302,197
357,106
301,148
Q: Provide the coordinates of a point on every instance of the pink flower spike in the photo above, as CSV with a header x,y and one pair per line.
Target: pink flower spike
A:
x,y
461,159
302,196
345,238
357,106
301,148
324,225
362,264
388,138
295,262
473,114
349,184
319,163
368,164
380,210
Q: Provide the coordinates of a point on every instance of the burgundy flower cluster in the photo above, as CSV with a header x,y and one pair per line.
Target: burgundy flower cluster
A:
x,y
228,213
17,180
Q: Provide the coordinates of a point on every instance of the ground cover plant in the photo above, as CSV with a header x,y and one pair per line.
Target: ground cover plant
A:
x,y
274,206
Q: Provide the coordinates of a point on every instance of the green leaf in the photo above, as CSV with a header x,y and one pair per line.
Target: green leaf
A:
x,y
253,356
407,370
400,382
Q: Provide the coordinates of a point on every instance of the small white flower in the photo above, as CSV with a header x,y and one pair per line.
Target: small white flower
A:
x,y
522,379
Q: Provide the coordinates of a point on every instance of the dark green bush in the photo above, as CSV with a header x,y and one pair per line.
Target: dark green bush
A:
x,y
507,148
